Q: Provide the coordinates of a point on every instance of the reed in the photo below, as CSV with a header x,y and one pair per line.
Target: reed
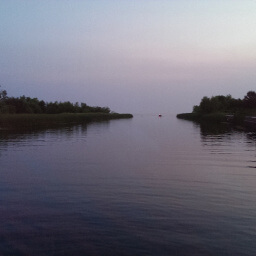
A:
x,y
14,120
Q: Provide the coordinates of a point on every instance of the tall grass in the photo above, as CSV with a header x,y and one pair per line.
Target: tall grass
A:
x,y
26,120
189,116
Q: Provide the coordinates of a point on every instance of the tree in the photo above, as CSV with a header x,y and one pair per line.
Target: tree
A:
x,y
25,104
206,105
3,97
3,94
250,99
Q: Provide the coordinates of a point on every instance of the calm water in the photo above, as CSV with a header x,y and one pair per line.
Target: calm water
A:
x,y
145,186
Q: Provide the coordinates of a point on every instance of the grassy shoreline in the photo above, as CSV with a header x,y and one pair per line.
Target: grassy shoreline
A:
x,y
238,119
42,120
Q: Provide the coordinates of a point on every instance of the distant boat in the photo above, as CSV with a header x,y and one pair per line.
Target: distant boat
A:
x,y
160,115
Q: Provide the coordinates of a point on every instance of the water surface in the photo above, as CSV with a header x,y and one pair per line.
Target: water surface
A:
x,y
142,186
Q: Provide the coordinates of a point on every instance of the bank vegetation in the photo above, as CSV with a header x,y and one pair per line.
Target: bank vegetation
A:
x,y
221,108
32,111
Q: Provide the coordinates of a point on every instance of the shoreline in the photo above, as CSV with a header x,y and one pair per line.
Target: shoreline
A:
x,y
212,118
241,121
43,120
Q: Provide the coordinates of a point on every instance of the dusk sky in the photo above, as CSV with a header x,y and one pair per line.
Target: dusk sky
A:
x,y
137,56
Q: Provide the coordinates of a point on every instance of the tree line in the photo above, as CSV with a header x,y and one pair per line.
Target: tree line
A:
x,y
23,104
226,104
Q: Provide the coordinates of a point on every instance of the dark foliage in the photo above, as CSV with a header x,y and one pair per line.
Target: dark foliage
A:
x,y
225,104
24,105
250,99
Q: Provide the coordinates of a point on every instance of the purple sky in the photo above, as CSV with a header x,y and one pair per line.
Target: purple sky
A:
x,y
137,56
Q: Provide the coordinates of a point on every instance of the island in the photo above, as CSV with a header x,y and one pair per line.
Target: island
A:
x,y
221,108
26,111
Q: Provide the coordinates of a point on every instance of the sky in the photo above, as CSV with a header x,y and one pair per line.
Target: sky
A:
x,y
136,56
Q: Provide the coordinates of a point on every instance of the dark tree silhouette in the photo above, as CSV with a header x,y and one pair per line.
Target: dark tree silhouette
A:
x,y
25,104
3,94
250,99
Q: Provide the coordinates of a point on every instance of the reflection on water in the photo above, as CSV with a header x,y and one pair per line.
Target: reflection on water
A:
x,y
223,140
143,186
214,129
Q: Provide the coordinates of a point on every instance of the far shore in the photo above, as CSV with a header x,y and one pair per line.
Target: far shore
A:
x,y
244,121
16,120
218,109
